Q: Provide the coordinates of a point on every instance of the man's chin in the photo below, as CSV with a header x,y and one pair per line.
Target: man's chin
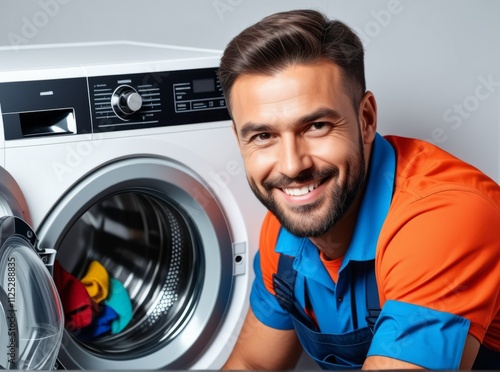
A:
x,y
302,224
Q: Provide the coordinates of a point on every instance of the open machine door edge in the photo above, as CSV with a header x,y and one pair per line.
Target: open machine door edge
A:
x,y
30,307
12,201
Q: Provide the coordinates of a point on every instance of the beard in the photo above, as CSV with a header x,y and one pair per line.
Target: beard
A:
x,y
309,220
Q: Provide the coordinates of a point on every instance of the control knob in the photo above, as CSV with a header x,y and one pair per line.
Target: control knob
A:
x,y
125,101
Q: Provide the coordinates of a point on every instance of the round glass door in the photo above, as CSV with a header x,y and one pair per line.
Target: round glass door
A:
x,y
32,333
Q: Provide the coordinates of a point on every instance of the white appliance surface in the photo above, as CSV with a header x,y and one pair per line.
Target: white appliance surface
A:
x,y
50,171
98,53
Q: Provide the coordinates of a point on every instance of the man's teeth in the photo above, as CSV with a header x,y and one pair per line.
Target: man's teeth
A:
x,y
298,191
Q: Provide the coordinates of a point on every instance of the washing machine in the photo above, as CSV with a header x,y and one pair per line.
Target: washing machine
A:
x,y
122,154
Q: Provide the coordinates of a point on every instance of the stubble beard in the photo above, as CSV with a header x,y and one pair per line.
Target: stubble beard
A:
x,y
315,219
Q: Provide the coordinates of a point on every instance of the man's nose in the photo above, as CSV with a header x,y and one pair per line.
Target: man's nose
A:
x,y
293,156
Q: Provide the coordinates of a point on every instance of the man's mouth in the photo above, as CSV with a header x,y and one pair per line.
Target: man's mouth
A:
x,y
299,191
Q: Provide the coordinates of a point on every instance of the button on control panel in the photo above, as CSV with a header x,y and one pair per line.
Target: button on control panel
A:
x,y
156,99
125,101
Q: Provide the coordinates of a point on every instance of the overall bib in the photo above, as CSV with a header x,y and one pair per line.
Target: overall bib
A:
x,y
330,351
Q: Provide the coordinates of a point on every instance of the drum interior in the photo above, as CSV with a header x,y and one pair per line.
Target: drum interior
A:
x,y
148,244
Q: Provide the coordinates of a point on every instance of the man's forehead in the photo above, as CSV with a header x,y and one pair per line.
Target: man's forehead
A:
x,y
292,86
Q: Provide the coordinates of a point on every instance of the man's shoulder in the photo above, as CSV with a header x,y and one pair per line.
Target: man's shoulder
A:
x,y
423,168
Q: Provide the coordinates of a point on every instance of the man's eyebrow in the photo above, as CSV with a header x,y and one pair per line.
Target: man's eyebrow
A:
x,y
251,127
322,112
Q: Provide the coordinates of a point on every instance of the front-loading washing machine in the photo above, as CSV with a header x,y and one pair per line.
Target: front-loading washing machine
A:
x,y
121,155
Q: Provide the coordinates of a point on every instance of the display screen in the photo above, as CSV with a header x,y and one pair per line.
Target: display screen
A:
x,y
203,85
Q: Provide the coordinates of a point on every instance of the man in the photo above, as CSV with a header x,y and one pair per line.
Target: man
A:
x,y
376,252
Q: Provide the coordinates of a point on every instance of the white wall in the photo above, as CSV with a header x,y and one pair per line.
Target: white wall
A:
x,y
434,65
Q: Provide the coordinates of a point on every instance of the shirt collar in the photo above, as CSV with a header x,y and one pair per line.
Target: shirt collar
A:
x,y
372,213
375,204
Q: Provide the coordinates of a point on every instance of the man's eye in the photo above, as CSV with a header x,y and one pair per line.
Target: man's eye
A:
x,y
261,137
318,125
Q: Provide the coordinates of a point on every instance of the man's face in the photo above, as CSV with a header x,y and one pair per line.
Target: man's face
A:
x,y
300,140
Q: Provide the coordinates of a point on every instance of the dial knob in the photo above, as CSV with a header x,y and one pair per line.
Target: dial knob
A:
x,y
125,101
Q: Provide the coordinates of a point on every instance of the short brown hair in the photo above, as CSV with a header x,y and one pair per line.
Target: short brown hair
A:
x,y
294,37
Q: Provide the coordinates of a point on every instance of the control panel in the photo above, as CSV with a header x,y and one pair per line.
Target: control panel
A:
x,y
156,99
110,103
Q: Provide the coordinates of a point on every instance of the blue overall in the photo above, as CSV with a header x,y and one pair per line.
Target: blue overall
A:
x,y
330,351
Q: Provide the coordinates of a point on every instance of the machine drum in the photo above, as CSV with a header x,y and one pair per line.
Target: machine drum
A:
x,y
147,246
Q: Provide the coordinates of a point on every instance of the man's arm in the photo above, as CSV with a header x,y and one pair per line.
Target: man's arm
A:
x,y
260,347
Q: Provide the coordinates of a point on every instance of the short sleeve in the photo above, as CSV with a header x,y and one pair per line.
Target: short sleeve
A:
x,y
439,260
419,335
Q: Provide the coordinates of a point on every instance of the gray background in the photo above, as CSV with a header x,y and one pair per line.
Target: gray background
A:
x,y
434,65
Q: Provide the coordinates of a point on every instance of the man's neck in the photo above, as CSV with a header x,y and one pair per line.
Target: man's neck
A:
x,y
334,243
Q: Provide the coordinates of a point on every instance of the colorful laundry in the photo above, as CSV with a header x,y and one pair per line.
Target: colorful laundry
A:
x,y
96,281
76,302
100,326
119,300
94,306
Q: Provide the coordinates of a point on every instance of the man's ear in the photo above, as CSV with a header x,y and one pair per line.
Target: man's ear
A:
x,y
368,117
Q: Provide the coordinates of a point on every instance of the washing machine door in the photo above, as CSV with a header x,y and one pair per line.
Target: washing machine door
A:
x,y
12,201
153,226
31,324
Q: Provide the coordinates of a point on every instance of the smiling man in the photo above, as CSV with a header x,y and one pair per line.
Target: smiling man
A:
x,y
377,252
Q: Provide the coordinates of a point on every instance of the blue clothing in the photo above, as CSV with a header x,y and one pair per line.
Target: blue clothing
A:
x,y
119,300
331,351
100,326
